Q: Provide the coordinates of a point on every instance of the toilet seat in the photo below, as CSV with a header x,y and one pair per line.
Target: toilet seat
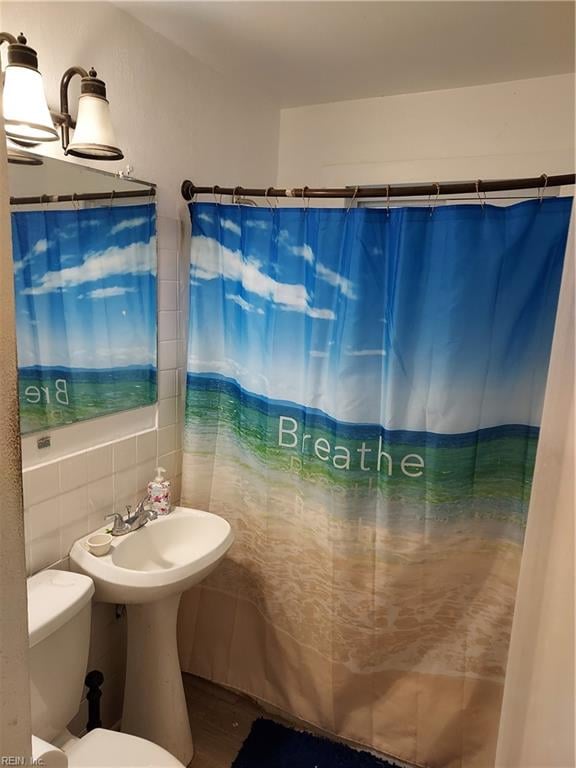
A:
x,y
109,749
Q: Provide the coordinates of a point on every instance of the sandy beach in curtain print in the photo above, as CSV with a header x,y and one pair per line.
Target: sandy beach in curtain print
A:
x,y
404,563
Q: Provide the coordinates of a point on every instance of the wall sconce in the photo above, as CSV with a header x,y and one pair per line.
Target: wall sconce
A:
x,y
93,132
26,114
28,120
18,157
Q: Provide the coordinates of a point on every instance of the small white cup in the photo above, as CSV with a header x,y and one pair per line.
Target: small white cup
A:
x,y
99,544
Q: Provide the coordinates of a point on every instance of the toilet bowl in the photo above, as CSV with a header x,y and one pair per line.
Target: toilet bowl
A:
x,y
59,612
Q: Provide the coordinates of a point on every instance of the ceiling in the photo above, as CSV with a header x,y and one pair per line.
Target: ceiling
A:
x,y
314,52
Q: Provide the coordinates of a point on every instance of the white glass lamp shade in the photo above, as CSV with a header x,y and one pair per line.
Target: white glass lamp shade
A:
x,y
18,156
26,113
94,135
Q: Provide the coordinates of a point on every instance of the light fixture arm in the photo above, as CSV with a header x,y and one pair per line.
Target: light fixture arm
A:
x,y
64,118
6,37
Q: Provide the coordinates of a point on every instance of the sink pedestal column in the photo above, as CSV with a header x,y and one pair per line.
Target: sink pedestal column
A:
x,y
154,702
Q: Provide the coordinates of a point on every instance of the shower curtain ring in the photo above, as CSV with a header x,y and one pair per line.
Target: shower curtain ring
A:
x,y
111,198
267,198
351,203
235,196
214,188
542,190
387,199
433,204
305,200
75,202
482,199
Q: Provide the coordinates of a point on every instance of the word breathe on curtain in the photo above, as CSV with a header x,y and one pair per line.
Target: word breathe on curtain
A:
x,y
363,401
85,283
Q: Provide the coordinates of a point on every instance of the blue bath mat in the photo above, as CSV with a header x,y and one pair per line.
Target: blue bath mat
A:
x,y
271,745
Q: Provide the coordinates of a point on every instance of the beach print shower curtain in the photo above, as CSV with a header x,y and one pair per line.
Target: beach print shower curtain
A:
x,y
363,399
85,286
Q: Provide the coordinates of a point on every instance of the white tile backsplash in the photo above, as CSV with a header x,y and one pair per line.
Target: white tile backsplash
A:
x,y
100,495
40,483
168,294
73,472
168,231
41,519
168,326
99,462
167,383
125,484
125,454
167,264
167,355
146,446
167,439
145,473
74,505
44,551
167,411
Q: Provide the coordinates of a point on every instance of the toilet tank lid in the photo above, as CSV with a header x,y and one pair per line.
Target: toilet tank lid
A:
x,y
54,597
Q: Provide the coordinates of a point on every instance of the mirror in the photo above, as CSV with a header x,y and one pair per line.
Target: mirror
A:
x,y
85,263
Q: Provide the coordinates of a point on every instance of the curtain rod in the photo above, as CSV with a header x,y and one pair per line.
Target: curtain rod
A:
x,y
74,198
189,189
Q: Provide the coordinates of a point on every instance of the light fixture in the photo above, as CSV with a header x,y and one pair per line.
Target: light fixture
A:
x,y
18,157
26,114
93,135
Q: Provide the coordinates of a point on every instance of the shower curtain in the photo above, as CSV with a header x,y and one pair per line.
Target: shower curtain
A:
x,y
363,399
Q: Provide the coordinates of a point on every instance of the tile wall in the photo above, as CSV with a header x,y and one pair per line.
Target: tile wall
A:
x,y
67,498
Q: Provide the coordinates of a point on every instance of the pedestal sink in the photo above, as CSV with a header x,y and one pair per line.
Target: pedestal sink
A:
x,y
148,570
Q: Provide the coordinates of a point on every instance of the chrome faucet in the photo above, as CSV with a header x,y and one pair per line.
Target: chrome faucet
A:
x,y
132,521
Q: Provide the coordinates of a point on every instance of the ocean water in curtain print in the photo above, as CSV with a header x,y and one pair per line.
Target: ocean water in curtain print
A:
x,y
363,401
85,286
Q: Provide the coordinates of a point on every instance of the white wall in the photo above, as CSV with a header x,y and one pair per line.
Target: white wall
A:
x,y
175,119
522,128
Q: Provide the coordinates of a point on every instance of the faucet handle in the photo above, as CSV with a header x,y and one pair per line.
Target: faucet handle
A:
x,y
119,522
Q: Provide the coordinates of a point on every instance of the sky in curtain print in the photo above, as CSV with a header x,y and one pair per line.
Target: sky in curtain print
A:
x,y
85,283
440,323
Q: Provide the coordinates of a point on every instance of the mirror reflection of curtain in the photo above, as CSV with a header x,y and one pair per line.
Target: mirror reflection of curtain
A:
x,y
363,402
85,282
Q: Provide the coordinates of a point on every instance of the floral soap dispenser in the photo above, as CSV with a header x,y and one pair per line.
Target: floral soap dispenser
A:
x,y
159,493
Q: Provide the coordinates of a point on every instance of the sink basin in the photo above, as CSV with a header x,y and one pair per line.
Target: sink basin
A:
x,y
148,570
166,556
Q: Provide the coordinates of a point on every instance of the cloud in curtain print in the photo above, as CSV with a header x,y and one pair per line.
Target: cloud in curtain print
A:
x,y
106,293
41,246
366,352
138,221
243,304
231,226
333,278
133,259
211,259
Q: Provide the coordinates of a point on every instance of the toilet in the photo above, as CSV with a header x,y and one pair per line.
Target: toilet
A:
x,y
59,612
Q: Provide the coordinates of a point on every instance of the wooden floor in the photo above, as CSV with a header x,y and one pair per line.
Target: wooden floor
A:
x,y
220,720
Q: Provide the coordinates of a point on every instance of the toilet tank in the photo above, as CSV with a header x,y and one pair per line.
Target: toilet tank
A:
x,y
59,608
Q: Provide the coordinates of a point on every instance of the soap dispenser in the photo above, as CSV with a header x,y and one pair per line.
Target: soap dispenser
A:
x,y
159,493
